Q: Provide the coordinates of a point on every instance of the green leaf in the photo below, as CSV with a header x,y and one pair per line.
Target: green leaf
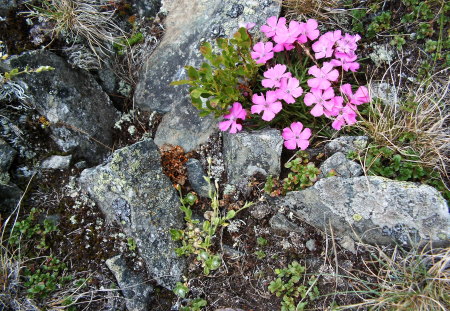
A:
x,y
180,82
192,73
176,234
230,215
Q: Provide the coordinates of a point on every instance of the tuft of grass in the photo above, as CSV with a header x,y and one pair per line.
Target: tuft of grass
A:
x,y
416,279
86,19
417,122
318,9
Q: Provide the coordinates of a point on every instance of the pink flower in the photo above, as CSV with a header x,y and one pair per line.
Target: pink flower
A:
x,y
347,62
273,23
274,76
323,76
236,112
309,31
337,102
247,26
285,37
346,116
332,36
289,90
361,95
262,52
321,99
347,44
294,136
323,48
270,105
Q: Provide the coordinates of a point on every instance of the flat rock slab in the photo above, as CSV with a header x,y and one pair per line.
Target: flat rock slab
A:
x,y
247,153
376,209
188,24
131,189
80,113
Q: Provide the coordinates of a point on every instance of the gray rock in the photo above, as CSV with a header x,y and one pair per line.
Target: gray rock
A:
x,y
343,167
345,144
56,162
131,189
135,289
183,127
260,210
348,243
195,175
188,24
247,153
376,209
147,8
9,197
7,155
280,222
311,245
7,6
80,113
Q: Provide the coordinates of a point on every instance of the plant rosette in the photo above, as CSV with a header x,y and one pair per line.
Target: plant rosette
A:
x,y
298,84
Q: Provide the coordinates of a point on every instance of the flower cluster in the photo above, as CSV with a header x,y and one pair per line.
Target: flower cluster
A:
x,y
338,53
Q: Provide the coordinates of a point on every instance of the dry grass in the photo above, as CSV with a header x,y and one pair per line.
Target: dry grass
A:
x,y
304,9
416,118
81,19
418,279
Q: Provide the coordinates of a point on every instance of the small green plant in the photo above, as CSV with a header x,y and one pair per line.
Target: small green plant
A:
x,y
181,290
227,77
383,161
46,279
379,24
303,173
29,228
131,244
398,41
290,285
261,241
197,237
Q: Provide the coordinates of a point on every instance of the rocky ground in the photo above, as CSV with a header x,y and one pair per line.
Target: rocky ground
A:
x,y
103,147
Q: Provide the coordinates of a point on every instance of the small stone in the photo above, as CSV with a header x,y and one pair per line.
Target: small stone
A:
x,y
56,162
260,211
311,245
342,166
345,144
81,165
348,243
280,222
196,177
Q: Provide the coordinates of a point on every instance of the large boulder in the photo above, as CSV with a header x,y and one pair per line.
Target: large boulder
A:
x,y
375,209
188,24
247,153
80,113
132,190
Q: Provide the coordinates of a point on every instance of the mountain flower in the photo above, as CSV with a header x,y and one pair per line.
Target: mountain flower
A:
x,y
323,76
274,75
322,99
262,52
289,90
273,23
361,95
296,137
269,105
236,112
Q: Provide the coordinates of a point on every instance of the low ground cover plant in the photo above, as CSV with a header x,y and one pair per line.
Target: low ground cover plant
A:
x,y
275,83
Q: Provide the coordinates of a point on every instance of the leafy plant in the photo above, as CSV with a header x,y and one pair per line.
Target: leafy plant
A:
x,y
303,173
181,290
383,161
379,24
197,237
226,77
290,285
